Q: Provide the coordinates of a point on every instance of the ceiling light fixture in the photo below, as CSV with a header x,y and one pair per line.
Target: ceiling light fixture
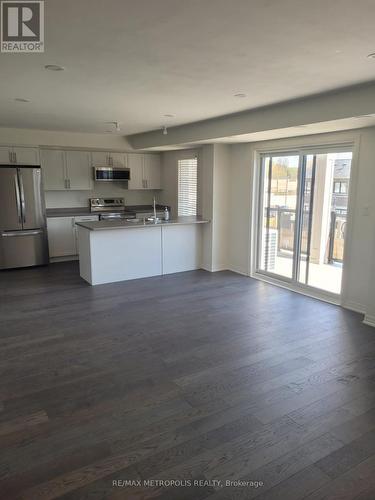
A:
x,y
371,56
54,67
169,116
21,99
165,130
240,94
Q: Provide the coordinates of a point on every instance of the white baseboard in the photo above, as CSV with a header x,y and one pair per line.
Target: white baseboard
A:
x,y
54,260
238,271
354,306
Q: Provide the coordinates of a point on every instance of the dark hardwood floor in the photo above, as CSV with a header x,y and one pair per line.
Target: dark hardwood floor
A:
x,y
191,377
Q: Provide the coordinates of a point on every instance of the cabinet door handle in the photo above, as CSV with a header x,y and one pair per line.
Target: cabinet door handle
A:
x,y
68,183
15,157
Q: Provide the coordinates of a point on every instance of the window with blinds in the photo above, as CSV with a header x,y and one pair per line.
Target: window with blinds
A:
x,y
187,186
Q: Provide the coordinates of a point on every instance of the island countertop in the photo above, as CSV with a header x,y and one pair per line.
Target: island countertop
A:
x,y
139,223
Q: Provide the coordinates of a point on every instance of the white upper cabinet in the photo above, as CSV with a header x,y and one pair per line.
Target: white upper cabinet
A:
x,y
79,172
26,156
145,171
73,170
105,159
19,156
152,171
54,171
135,163
66,170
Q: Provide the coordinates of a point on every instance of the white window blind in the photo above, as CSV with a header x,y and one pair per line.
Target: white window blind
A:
x,y
187,186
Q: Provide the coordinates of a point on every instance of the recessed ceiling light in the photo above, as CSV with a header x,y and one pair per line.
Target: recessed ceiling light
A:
x,y
240,94
21,99
54,67
371,56
169,116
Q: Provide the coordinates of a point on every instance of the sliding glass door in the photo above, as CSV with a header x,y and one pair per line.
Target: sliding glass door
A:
x,y
278,214
302,217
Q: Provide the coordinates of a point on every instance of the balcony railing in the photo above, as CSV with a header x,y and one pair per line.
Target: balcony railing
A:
x,y
283,219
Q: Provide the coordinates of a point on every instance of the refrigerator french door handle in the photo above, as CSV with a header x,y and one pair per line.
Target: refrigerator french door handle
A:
x,y
18,199
11,234
23,205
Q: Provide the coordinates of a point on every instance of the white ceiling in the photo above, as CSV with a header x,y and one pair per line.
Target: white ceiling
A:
x,y
134,61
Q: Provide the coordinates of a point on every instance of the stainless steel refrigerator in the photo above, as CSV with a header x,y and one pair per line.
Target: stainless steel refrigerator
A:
x,y
23,232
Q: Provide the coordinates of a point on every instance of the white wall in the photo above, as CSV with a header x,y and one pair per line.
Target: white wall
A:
x,y
215,182
360,247
221,213
239,207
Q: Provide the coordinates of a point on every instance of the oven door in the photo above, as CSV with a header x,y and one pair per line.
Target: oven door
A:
x,y
109,174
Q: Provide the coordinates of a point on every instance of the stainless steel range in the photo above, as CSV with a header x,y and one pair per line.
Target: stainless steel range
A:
x,y
110,208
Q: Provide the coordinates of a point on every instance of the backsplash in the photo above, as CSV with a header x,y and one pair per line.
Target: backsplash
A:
x,y
72,199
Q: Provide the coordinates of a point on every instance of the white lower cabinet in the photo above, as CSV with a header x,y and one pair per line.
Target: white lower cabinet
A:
x,y
62,234
82,218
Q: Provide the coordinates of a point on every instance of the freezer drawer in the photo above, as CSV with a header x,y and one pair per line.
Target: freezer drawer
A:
x,y
23,249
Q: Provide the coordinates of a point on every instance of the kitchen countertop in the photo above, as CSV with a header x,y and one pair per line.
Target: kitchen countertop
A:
x,y
121,224
79,211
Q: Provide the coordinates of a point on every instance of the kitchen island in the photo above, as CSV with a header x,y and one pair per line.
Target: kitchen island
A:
x,y
116,250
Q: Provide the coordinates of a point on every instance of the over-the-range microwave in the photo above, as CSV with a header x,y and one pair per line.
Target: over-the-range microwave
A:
x,y
111,174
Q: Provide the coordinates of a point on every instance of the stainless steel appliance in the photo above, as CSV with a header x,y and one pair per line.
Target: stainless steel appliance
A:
x,y
23,234
110,208
111,174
